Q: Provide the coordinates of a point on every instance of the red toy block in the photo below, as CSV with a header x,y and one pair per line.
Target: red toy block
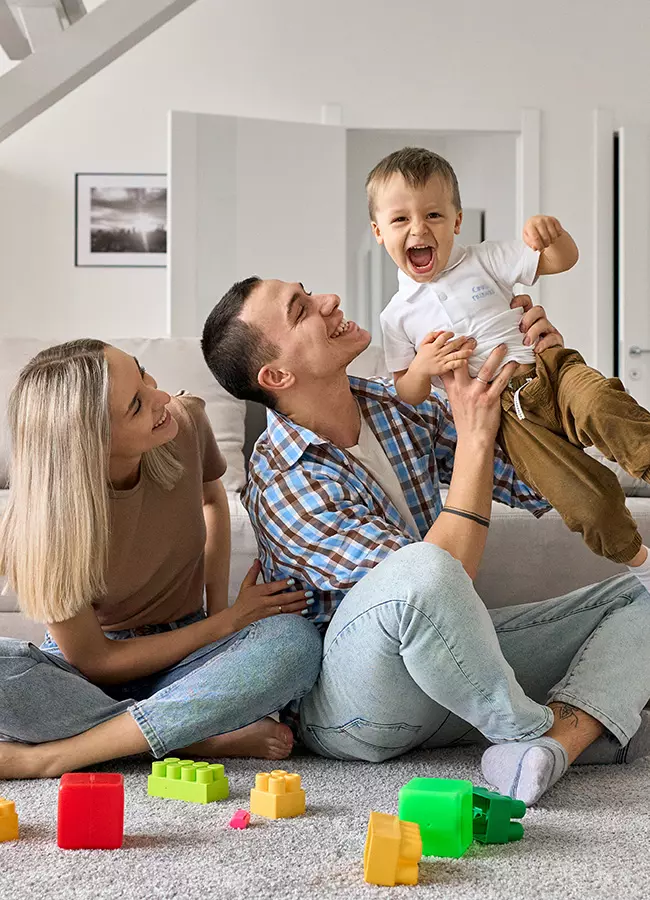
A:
x,y
241,819
91,811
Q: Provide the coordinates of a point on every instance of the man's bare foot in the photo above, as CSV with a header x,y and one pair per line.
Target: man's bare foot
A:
x,y
266,739
21,761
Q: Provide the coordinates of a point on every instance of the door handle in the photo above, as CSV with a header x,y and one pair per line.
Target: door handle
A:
x,y
637,351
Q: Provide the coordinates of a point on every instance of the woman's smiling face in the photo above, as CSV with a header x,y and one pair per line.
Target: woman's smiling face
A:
x,y
140,419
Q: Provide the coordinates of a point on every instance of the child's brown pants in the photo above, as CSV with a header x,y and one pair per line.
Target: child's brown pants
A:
x,y
568,406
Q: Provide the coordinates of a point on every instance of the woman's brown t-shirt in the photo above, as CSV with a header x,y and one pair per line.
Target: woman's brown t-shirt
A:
x,y
155,565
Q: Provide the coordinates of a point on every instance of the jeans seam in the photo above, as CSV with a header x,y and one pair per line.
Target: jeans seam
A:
x,y
548,621
170,687
476,687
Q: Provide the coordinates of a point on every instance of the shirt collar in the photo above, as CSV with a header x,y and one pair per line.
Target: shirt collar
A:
x,y
409,289
288,441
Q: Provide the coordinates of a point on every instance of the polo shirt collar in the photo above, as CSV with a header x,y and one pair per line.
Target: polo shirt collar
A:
x,y
409,290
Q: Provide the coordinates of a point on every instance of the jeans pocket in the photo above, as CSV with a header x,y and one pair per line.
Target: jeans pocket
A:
x,y
361,739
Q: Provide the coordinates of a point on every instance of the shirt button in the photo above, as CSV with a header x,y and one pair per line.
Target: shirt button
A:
x,y
442,296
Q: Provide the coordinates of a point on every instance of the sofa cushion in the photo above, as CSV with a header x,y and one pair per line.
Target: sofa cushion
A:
x,y
632,487
176,364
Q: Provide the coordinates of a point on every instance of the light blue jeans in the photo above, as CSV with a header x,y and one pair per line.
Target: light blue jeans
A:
x,y
221,687
412,658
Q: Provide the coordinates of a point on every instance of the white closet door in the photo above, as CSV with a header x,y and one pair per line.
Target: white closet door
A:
x,y
251,197
634,261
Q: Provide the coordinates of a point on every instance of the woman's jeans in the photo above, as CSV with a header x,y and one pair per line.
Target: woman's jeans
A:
x,y
221,687
412,658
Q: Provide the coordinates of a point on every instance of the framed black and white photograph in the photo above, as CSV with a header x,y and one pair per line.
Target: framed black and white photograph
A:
x,y
121,220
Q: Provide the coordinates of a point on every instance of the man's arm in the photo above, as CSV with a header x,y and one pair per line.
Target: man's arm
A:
x,y
506,487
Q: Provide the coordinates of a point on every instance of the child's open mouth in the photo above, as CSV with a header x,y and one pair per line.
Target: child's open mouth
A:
x,y
421,258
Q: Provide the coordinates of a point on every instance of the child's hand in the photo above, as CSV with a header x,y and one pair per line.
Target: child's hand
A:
x,y
438,353
542,231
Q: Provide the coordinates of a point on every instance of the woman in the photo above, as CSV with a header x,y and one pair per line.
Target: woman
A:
x,y
117,522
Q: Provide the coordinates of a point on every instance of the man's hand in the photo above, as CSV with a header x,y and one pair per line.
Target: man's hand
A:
x,y
535,325
438,353
542,231
476,402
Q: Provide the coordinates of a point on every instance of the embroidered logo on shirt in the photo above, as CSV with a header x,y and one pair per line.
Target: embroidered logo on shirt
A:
x,y
480,291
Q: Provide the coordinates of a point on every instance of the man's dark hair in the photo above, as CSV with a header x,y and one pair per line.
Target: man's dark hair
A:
x,y
416,166
235,350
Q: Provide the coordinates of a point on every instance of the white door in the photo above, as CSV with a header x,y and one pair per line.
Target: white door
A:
x,y
634,261
251,197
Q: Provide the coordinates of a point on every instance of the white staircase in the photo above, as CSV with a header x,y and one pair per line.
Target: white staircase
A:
x,y
58,45
28,25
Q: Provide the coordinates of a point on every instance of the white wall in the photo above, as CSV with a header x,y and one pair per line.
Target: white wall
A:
x,y
449,66
485,165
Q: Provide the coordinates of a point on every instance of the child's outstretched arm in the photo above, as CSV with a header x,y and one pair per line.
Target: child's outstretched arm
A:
x,y
437,354
558,250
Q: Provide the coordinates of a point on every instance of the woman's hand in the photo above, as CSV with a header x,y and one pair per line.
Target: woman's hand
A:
x,y
476,402
534,324
259,601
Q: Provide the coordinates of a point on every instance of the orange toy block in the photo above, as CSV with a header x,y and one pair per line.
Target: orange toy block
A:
x,y
277,795
393,850
8,820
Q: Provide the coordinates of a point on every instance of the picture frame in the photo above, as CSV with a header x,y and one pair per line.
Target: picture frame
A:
x,y
120,220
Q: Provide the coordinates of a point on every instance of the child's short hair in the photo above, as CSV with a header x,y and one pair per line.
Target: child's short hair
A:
x,y
416,165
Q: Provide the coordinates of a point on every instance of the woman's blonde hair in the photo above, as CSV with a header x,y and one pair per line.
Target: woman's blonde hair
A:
x,y
54,536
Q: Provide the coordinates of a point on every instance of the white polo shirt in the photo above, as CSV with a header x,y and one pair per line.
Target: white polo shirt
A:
x,y
471,296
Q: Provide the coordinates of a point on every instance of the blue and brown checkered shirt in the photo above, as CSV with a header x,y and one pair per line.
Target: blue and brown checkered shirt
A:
x,y
319,515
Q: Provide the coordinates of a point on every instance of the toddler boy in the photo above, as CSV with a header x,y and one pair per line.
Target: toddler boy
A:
x,y
555,405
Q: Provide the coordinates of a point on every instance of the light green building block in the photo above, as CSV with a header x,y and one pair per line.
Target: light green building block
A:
x,y
443,809
183,779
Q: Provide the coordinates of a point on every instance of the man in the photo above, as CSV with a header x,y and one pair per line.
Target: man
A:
x,y
344,495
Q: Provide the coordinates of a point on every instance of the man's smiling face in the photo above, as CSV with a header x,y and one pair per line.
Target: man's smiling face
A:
x,y
416,225
313,338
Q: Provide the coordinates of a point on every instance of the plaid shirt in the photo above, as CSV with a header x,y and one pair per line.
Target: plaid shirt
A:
x,y
321,517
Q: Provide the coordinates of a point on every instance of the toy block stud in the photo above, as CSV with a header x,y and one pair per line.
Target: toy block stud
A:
x,y
392,852
443,809
184,779
241,819
8,820
277,795
492,815
91,811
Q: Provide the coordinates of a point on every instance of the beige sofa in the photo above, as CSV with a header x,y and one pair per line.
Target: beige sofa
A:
x,y
526,559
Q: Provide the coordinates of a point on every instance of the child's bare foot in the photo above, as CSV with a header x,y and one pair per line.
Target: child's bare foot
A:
x,y
266,739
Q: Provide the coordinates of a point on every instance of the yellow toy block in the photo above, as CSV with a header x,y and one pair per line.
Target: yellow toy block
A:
x,y
393,850
277,795
8,820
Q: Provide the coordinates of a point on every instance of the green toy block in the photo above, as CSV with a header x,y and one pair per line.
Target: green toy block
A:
x,y
183,779
443,809
492,815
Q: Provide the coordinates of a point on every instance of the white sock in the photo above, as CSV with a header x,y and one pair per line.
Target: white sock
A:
x,y
642,572
525,769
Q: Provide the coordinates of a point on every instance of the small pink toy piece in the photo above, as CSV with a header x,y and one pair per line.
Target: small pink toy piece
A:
x,y
241,819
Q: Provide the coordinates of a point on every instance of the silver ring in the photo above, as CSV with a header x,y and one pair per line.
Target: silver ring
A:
x,y
482,380
279,609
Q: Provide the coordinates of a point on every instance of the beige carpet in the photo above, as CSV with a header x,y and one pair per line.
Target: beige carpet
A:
x,y
589,838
